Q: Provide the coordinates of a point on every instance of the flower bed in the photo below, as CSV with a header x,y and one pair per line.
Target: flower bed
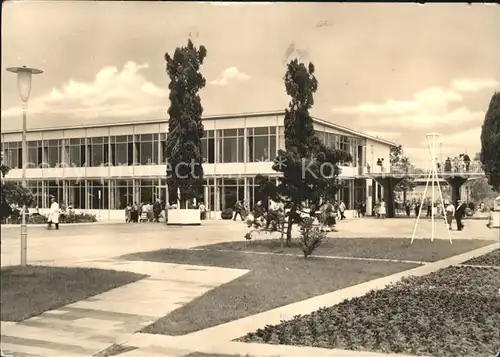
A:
x,y
451,313
491,259
63,218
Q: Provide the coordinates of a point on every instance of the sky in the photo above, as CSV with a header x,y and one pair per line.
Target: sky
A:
x,y
397,71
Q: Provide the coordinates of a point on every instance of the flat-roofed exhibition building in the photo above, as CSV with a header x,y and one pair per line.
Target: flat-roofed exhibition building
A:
x,y
101,167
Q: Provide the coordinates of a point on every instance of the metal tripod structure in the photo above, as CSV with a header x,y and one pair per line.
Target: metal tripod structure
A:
x,y
432,178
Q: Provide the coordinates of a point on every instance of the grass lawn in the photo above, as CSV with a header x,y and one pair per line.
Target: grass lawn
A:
x,y
492,259
273,281
451,313
31,290
422,250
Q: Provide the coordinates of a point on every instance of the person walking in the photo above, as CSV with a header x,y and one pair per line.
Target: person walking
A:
x,y
203,211
342,210
459,214
450,212
157,210
382,209
53,213
238,208
128,213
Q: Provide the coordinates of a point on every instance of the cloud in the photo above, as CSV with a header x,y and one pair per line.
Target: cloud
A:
x,y
474,85
428,108
230,74
425,100
430,120
113,93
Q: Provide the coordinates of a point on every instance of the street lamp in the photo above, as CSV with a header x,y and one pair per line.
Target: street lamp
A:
x,y
24,75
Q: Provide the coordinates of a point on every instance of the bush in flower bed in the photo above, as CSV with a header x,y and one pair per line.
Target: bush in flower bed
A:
x,y
83,217
451,313
491,259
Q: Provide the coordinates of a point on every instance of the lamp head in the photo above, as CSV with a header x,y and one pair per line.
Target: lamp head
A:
x,y
24,75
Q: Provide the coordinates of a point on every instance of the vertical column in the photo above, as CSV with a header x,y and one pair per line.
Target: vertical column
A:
x,y
65,192
111,195
137,191
216,206
368,196
87,195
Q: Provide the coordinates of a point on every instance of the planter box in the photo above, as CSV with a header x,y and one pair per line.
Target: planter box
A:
x,y
184,217
495,219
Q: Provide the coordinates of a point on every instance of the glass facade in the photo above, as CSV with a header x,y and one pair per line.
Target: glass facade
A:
x,y
221,146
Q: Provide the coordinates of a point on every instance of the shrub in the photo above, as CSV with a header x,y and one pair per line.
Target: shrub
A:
x,y
37,219
83,217
66,218
227,214
310,237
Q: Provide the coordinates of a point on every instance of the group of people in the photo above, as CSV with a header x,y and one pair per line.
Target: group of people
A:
x,y
145,212
380,209
460,163
457,212
327,212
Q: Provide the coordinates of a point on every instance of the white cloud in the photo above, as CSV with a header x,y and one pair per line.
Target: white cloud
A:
x,y
427,109
230,74
113,93
424,101
474,85
430,120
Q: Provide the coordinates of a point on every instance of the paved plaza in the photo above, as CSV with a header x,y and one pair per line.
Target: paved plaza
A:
x,y
87,327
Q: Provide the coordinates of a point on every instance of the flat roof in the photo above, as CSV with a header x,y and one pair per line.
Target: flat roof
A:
x,y
205,117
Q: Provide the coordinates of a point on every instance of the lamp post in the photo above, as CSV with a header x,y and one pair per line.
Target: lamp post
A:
x,y
24,75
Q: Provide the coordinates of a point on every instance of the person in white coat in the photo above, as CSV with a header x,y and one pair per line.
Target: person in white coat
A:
x,y
53,214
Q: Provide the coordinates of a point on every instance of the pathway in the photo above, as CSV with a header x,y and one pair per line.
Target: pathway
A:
x,y
89,326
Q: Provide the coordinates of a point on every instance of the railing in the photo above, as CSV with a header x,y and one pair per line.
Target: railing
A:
x,y
444,168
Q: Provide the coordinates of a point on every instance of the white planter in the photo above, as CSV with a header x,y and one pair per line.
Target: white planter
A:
x,y
495,219
184,217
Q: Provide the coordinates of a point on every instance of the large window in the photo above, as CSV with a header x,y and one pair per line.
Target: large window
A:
x,y
360,191
13,155
98,150
208,147
122,150
261,144
230,190
124,194
53,189
98,194
76,194
36,187
147,149
147,191
51,153
35,153
230,145
75,151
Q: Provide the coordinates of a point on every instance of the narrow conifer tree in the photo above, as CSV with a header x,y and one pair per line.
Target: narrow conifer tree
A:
x,y
185,128
490,142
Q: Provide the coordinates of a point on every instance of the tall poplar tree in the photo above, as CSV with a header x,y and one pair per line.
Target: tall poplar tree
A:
x,y
185,128
308,168
490,142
